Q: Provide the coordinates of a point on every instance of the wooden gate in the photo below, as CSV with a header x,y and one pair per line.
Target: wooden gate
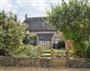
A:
x,y
56,58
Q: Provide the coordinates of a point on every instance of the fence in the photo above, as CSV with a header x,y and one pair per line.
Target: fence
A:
x,y
53,54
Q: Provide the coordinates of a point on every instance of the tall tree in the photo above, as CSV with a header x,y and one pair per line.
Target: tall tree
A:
x,y
73,19
12,33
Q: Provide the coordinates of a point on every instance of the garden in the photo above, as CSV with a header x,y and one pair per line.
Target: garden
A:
x,y
72,19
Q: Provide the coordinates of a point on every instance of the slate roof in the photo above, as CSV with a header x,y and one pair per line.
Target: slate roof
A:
x,y
39,24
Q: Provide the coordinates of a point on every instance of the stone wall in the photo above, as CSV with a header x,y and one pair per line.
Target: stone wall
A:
x,y
79,62
9,61
29,62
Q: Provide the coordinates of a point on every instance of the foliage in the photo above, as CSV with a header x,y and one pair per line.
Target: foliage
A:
x,y
30,38
30,52
73,19
12,33
87,51
59,45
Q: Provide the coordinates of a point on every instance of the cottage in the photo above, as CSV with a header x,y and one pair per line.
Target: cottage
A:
x,y
46,33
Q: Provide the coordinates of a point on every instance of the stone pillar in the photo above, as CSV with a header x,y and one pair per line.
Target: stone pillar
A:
x,y
68,45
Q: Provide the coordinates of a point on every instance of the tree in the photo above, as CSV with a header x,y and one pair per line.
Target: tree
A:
x,y
12,33
73,19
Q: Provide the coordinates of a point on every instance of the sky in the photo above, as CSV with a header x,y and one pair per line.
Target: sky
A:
x,y
33,8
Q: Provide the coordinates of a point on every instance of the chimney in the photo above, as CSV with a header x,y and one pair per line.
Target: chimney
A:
x,y
43,24
25,16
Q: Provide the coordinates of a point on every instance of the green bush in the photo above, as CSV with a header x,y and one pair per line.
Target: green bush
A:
x,y
30,51
12,33
61,44
87,52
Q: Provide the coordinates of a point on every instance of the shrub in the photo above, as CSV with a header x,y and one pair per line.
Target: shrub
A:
x,y
11,34
30,51
87,52
59,45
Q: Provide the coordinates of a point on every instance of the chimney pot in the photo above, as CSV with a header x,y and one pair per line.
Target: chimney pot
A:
x,y
25,16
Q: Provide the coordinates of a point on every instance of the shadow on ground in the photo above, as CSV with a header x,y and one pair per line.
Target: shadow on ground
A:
x,y
41,69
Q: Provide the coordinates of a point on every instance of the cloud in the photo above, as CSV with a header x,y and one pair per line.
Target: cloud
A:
x,y
30,7
7,6
39,6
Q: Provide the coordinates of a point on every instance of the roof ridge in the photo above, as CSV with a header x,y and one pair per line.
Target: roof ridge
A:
x,y
35,17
